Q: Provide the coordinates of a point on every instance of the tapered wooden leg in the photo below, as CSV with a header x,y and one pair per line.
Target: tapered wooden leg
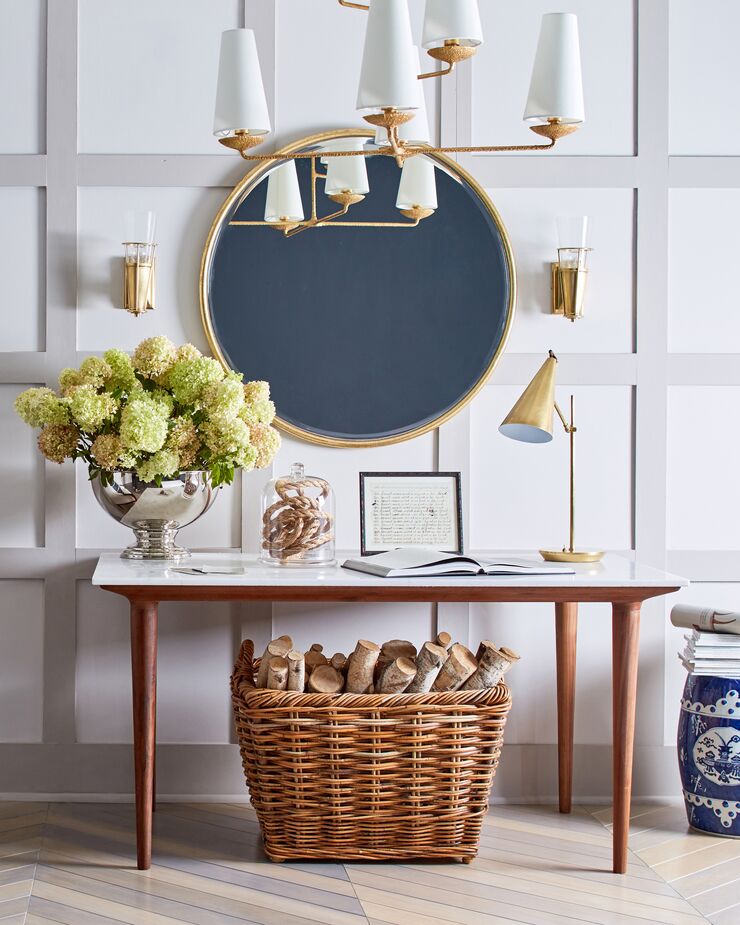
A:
x,y
625,647
144,689
566,627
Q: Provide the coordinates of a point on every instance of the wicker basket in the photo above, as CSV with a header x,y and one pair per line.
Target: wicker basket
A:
x,y
373,776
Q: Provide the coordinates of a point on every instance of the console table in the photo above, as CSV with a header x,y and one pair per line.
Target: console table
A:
x,y
615,580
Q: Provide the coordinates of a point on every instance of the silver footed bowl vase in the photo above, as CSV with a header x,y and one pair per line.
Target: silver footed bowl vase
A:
x,y
155,513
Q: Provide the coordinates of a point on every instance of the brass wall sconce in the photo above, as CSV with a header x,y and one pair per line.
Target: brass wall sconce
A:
x,y
139,264
530,421
569,273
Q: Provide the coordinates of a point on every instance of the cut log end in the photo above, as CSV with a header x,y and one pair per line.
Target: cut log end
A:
x,y
325,680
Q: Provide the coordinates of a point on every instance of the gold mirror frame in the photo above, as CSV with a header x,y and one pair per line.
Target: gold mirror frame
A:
x,y
250,181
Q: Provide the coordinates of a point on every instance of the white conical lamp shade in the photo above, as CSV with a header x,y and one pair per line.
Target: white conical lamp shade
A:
x,y
347,174
418,186
283,202
445,20
416,131
556,89
388,77
240,97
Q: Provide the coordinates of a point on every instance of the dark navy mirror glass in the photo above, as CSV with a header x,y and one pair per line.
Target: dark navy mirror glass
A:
x,y
366,335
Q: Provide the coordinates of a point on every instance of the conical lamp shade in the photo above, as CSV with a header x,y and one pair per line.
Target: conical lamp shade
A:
x,y
530,420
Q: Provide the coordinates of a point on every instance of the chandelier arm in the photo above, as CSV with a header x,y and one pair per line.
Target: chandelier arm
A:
x,y
354,6
485,149
443,73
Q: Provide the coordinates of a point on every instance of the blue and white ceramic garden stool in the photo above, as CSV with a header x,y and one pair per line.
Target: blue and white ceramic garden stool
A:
x,y
709,753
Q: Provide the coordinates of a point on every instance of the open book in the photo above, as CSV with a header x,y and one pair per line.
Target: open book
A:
x,y
423,562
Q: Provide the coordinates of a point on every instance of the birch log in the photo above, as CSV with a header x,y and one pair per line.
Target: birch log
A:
x,y
428,662
458,667
444,640
325,680
362,667
296,670
396,676
313,660
277,673
339,661
393,649
278,648
493,663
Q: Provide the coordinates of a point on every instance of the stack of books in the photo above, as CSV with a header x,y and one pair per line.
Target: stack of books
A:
x,y
708,653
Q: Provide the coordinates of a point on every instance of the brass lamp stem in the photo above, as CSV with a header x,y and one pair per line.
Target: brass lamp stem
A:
x,y
570,429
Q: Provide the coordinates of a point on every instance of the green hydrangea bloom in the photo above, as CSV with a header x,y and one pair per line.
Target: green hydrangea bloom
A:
x,y
58,441
246,458
188,378
163,401
94,371
183,438
223,399
68,379
258,412
106,450
122,374
39,406
154,356
258,390
225,438
187,352
143,426
266,441
160,465
90,409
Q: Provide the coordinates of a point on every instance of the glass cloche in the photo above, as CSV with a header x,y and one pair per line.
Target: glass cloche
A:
x,y
298,520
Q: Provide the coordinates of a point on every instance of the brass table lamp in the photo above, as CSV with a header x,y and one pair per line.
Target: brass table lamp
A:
x,y
530,421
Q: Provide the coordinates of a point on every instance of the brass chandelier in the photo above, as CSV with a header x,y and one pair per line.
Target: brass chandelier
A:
x,y
389,93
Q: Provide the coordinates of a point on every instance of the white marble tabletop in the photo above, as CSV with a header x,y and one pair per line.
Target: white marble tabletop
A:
x,y
612,572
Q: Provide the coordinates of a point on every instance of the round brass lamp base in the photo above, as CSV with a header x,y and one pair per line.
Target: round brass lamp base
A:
x,y
565,555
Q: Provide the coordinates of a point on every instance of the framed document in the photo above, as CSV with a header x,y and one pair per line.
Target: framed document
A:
x,y
410,509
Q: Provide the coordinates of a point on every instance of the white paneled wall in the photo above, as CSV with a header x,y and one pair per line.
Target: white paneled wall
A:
x,y
653,365
22,246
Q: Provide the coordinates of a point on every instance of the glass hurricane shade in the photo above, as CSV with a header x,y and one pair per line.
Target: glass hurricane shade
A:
x,y
417,186
388,77
240,96
140,226
283,201
445,20
530,420
556,88
572,230
346,174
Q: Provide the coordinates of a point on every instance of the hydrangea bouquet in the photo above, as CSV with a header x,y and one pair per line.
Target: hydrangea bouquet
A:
x,y
162,411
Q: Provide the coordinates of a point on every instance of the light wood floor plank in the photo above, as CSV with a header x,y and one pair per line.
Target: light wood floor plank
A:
x,y
10,907
200,891
723,897
525,880
727,917
537,901
715,853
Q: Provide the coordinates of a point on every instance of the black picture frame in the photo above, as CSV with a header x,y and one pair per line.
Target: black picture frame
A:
x,y
456,485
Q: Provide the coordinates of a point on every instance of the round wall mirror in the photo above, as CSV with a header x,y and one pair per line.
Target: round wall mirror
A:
x,y
373,327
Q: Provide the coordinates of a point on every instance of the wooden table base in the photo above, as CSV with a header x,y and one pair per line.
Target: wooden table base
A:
x,y
566,626
144,689
625,637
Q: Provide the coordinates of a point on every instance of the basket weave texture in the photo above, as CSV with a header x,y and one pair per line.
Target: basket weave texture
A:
x,y
373,776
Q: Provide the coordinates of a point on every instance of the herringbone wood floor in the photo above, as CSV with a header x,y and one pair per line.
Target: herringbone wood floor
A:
x,y
72,863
